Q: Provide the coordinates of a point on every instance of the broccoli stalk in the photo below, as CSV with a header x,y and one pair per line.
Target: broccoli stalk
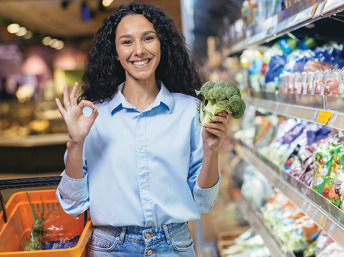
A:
x,y
217,97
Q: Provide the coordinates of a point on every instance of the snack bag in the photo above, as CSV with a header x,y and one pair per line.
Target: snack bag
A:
x,y
322,171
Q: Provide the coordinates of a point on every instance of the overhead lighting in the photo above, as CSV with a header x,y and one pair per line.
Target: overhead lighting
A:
x,y
46,41
13,28
107,3
21,32
28,35
58,45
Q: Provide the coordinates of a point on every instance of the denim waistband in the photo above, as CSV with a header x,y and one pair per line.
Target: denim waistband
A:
x,y
148,235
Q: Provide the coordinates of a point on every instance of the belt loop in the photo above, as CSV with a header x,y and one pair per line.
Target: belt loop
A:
x,y
122,235
168,238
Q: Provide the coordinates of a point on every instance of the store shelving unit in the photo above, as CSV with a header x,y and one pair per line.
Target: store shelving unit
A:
x,y
301,14
324,110
314,108
327,216
275,246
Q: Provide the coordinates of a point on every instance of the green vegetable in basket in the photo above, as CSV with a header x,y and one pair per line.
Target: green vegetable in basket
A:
x,y
37,235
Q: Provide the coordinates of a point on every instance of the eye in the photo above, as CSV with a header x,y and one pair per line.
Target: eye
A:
x,y
148,38
126,42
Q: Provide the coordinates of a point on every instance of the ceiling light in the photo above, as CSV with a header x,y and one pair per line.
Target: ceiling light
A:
x,y
21,32
52,42
46,41
28,35
13,28
59,44
107,3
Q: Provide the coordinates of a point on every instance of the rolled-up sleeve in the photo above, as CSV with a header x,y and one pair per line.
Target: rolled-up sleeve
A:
x,y
205,198
72,195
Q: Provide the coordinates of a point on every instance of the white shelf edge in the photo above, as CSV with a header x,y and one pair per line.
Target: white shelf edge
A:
x,y
276,248
322,218
296,111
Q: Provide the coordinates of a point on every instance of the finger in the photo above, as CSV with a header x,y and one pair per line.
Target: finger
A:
x,y
221,119
73,94
60,107
216,132
222,113
84,103
95,112
66,98
216,126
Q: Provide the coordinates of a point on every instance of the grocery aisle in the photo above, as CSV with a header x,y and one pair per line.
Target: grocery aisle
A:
x,y
288,61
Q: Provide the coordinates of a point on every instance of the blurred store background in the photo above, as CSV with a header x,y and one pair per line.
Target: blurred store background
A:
x,y
287,58
43,46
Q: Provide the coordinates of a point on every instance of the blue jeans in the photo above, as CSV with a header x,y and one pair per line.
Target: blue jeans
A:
x,y
166,241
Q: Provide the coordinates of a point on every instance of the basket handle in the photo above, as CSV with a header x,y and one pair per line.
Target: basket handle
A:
x,y
23,183
29,182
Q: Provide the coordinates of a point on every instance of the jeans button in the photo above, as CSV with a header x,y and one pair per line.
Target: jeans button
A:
x,y
148,236
149,252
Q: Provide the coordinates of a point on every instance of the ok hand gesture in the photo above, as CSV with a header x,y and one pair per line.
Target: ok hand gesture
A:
x,y
78,125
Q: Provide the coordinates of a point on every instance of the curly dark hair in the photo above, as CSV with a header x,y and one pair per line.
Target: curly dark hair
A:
x,y
104,73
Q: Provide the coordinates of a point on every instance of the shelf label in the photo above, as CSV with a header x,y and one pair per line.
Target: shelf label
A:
x,y
315,214
330,231
324,116
304,205
308,210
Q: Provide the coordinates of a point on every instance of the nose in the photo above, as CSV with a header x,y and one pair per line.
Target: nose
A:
x,y
139,49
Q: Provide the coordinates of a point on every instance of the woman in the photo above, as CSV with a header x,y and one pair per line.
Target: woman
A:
x,y
140,162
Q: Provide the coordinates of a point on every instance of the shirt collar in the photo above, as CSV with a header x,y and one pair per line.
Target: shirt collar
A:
x,y
164,96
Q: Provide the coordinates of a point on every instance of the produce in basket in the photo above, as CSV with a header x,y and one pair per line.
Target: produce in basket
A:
x,y
36,240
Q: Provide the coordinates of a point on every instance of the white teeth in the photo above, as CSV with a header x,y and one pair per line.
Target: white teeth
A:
x,y
141,62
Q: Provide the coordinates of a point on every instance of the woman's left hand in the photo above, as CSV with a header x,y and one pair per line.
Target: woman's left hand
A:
x,y
215,132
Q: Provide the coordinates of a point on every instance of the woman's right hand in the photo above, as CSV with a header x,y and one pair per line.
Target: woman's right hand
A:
x,y
78,125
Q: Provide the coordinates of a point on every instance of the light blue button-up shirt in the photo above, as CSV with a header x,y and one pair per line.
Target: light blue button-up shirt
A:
x,y
141,167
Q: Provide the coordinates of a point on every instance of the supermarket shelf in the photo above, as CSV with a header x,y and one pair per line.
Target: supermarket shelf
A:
x,y
275,246
327,216
302,13
305,107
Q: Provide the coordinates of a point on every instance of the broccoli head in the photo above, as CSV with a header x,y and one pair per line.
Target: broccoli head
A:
x,y
220,96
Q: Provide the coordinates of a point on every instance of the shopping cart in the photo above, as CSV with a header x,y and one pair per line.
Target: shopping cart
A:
x,y
16,219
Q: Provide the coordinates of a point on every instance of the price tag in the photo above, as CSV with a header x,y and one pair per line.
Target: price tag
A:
x,y
330,231
303,205
308,210
315,214
324,116
333,120
314,10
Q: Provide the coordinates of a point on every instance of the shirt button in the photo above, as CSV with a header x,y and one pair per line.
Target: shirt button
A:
x,y
149,252
149,224
148,236
140,147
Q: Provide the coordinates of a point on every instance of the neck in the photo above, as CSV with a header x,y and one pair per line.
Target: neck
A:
x,y
140,93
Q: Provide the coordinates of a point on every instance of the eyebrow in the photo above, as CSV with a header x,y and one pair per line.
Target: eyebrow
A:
x,y
144,34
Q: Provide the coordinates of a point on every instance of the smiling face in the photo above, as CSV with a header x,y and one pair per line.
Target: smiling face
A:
x,y
138,47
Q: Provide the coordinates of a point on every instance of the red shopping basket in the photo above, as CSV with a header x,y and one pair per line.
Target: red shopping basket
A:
x,y
16,221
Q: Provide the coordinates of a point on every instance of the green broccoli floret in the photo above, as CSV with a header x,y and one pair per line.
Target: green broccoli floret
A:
x,y
217,97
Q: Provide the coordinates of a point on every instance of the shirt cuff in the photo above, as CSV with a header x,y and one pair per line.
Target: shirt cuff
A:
x,y
205,197
73,189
